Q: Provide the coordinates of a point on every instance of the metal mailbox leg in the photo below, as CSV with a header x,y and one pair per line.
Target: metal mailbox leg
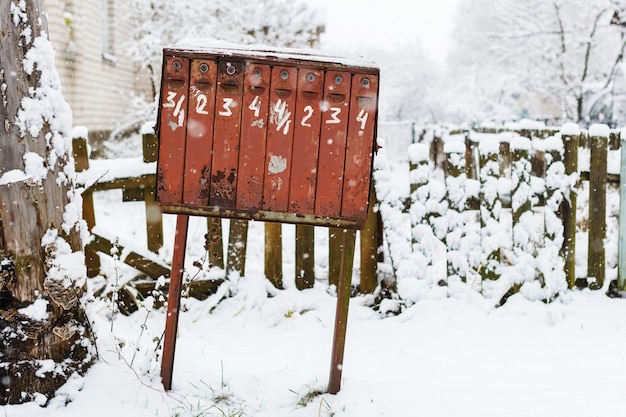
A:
x,y
341,321
173,304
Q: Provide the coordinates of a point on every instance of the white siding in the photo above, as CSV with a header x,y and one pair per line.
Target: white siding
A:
x,y
96,87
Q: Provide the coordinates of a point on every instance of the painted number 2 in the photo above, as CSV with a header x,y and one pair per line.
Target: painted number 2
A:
x,y
201,103
309,113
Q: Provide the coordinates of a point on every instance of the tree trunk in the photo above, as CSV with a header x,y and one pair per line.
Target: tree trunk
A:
x,y
42,343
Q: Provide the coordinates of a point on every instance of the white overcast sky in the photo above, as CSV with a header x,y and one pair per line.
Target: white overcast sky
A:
x,y
359,24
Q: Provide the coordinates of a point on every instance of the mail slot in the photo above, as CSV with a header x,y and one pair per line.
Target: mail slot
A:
x,y
274,135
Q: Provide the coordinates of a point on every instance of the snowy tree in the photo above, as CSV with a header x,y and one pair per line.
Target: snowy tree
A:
x,y
163,23
45,339
549,58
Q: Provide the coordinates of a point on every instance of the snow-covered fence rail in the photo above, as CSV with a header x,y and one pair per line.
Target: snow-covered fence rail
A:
x,y
136,178
505,212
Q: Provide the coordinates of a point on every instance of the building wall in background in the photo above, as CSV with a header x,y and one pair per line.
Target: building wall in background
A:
x,y
97,77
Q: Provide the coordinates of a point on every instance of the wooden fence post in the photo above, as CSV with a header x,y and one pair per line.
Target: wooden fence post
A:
x,y
455,187
599,136
237,246
81,163
154,219
274,254
369,248
524,250
490,209
335,248
305,256
621,269
215,242
570,134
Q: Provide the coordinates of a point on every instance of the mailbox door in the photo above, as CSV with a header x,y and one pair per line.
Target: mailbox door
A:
x,y
172,129
360,146
254,117
280,138
199,132
332,154
228,102
306,141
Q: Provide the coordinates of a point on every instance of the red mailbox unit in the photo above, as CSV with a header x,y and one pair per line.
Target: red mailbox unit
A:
x,y
273,135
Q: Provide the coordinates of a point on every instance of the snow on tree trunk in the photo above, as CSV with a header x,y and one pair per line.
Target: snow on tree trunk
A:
x,y
44,339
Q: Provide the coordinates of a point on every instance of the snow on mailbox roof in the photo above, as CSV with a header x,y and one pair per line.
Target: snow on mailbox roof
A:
x,y
223,48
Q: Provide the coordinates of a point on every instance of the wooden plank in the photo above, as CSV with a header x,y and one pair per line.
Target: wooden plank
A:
x,y
306,141
621,270
172,130
226,132
274,254
359,147
154,220
237,247
568,210
150,147
597,211
335,113
199,132
370,248
254,119
305,256
280,139
146,180
336,247
214,243
136,260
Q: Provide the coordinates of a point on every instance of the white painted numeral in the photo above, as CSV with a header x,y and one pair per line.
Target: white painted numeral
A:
x,y
309,113
362,117
333,117
226,106
281,116
201,104
177,105
171,95
255,106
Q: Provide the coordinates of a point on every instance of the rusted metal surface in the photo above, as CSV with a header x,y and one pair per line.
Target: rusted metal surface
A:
x,y
332,152
254,117
226,134
280,139
266,137
285,136
307,141
173,303
359,149
199,132
172,129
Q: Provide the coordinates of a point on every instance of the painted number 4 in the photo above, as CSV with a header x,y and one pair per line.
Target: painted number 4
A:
x,y
362,117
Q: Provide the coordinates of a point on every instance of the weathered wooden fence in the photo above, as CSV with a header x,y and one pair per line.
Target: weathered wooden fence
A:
x,y
507,206
136,179
504,204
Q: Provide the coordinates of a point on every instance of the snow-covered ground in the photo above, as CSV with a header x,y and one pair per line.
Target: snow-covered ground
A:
x,y
259,355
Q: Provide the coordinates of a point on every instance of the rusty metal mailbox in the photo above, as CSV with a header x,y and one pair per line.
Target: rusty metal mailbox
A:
x,y
272,135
